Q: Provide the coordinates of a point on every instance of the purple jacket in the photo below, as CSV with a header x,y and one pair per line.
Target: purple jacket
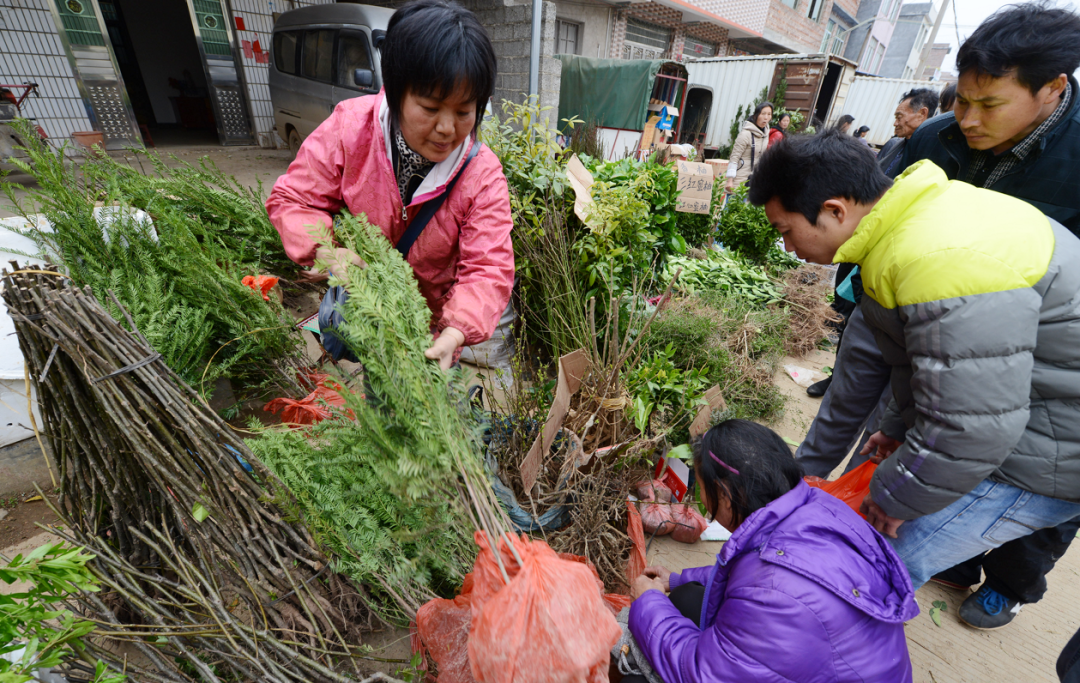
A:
x,y
805,590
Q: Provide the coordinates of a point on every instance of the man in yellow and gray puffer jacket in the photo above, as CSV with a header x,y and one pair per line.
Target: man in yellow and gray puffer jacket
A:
x,y
974,306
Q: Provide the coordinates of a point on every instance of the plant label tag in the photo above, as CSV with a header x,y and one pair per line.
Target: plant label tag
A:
x,y
581,180
695,187
676,476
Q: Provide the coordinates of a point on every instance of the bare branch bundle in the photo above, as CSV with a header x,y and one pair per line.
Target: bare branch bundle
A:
x,y
201,574
805,289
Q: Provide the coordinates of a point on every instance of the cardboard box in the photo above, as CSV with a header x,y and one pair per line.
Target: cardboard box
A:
x,y
676,476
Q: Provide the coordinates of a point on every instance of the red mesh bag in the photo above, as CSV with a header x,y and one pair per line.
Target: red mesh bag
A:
x,y
654,491
550,624
850,488
656,519
689,524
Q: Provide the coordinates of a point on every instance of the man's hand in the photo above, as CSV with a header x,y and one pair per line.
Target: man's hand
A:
x,y
661,574
644,583
336,261
880,446
444,347
885,524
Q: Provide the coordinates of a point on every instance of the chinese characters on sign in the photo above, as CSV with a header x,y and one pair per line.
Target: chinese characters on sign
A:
x,y
695,187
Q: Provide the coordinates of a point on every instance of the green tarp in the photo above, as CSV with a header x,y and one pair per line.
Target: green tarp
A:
x,y
613,93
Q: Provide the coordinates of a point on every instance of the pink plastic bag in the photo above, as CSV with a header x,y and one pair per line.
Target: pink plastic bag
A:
x,y
689,524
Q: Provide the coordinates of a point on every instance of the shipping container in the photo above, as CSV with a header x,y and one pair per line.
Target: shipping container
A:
x,y
872,101
817,86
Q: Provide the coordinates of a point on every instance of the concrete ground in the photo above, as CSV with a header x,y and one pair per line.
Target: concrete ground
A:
x,y
1024,651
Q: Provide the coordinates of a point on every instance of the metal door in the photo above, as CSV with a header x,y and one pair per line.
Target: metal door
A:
x,y
217,46
83,35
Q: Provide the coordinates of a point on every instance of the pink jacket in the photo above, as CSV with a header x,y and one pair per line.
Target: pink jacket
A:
x,y
464,260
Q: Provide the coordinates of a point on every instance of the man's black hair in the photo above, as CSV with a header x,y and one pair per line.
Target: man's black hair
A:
x,y
765,467
1039,41
432,47
922,97
948,98
804,171
758,109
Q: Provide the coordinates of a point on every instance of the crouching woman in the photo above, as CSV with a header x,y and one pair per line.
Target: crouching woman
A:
x,y
411,149
805,590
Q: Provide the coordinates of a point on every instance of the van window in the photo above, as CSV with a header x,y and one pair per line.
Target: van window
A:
x,y
318,56
285,44
353,54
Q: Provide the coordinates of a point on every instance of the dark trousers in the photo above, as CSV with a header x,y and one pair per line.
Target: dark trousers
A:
x,y
688,599
1018,569
1068,664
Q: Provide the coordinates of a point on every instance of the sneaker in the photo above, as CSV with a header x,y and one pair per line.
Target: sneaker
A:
x,y
817,389
988,610
953,578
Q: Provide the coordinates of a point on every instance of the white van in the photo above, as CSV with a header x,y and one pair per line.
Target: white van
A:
x,y
320,56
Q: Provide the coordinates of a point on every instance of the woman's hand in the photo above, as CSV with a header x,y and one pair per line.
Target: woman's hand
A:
x,y
880,447
444,347
730,185
645,583
336,260
662,574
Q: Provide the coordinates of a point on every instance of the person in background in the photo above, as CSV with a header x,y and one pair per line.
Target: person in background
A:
x,y
800,574
748,147
860,135
781,129
974,300
388,154
1016,130
844,124
916,106
947,99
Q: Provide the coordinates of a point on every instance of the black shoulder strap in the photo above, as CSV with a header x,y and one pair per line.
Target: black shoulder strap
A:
x,y
427,211
751,152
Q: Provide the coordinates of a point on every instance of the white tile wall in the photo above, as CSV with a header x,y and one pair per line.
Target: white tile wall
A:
x,y
30,51
258,25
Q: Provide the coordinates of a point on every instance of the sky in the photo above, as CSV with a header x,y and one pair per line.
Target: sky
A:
x,y
969,14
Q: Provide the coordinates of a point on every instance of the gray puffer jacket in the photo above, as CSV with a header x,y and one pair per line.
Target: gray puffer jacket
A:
x,y
974,298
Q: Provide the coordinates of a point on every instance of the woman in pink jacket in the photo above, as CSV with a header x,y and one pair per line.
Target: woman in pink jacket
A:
x,y
387,155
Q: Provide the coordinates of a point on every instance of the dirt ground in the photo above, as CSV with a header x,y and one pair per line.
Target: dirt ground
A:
x,y
952,653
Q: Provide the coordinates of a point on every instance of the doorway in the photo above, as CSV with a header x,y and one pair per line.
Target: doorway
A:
x,y
826,93
696,117
158,56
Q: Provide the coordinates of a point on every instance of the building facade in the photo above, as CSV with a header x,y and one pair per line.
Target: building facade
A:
x,y
902,58
868,42
194,70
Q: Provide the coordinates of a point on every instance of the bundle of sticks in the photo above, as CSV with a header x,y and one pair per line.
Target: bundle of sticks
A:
x,y
202,578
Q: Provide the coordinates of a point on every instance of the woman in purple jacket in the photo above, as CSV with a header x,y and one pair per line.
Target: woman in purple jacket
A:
x,y
805,590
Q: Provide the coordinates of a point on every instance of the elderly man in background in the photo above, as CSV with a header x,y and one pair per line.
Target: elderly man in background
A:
x,y
916,106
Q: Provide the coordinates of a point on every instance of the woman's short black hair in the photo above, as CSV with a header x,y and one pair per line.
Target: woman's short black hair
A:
x,y
846,118
804,171
758,109
431,48
766,469
783,115
1039,41
859,132
947,98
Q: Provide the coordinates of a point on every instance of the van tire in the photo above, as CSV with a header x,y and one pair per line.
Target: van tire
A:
x,y
294,142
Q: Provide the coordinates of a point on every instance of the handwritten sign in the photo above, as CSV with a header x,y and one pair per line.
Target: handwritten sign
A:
x,y
581,180
695,187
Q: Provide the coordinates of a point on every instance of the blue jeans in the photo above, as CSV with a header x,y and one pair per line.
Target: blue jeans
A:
x,y
991,515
